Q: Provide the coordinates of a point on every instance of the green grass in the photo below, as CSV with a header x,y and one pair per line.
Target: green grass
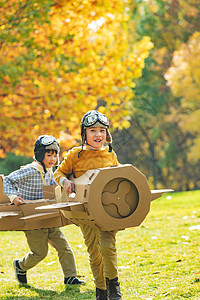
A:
x,y
158,260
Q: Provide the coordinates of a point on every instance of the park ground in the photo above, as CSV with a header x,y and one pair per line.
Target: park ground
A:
x,y
160,259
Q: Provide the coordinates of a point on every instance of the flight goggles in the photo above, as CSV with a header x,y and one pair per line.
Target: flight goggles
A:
x,y
93,118
47,140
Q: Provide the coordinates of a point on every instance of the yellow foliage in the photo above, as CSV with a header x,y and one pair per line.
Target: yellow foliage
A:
x,y
183,77
194,152
82,57
2,153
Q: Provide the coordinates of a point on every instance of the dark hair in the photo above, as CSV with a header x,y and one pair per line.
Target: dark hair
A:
x,y
51,151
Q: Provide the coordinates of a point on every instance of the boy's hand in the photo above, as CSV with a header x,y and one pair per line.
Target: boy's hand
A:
x,y
18,201
69,186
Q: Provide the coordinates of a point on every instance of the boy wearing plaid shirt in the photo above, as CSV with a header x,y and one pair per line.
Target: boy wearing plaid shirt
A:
x,y
26,184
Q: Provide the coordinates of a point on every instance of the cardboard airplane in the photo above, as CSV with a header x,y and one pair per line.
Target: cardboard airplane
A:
x,y
25,217
112,198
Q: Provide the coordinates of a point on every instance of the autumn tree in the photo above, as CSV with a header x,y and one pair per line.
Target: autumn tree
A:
x,y
58,60
156,142
183,77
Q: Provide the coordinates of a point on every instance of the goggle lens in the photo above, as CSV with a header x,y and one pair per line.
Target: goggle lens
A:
x,y
104,120
92,119
48,140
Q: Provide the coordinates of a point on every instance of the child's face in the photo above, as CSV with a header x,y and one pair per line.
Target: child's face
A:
x,y
96,137
50,159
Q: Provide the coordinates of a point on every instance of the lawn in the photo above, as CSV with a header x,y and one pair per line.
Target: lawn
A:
x,y
158,260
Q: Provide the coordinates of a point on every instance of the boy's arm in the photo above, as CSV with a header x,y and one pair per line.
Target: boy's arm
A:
x,y
62,172
67,184
10,184
59,176
63,181
115,162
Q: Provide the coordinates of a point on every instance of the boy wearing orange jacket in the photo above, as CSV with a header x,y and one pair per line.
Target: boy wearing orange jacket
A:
x,y
101,245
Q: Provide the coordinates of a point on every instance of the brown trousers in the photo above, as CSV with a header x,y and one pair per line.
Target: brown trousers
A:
x,y
101,246
38,243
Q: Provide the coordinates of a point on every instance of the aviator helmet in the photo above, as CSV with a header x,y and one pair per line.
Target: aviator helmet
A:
x,y
95,118
43,143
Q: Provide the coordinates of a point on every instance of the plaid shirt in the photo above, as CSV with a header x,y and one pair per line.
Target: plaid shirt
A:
x,y
27,183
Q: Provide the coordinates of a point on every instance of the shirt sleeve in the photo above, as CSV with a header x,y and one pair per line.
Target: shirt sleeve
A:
x,y
11,197
115,160
65,168
12,181
61,182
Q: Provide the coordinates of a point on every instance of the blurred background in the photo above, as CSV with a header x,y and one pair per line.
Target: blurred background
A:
x,y
136,61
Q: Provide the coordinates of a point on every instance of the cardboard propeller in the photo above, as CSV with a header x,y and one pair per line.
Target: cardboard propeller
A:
x,y
25,217
111,198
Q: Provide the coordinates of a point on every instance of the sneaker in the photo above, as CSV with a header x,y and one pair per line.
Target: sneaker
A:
x,y
73,280
113,288
20,274
101,294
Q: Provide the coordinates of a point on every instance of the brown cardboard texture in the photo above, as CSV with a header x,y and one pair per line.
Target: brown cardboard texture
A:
x,y
3,197
111,198
26,217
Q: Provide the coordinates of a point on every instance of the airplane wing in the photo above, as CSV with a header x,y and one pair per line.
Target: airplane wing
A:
x,y
4,214
158,193
41,216
59,205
